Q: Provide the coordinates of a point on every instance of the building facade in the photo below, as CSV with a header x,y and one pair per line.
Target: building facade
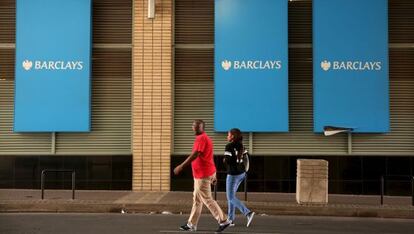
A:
x,y
152,76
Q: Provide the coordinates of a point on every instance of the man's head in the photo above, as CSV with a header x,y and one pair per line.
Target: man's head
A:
x,y
198,126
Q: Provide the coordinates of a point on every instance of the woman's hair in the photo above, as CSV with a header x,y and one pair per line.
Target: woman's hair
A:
x,y
238,137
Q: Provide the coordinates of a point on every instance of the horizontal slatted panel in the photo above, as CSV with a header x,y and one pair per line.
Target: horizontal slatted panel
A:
x,y
7,21
401,138
112,20
300,139
194,98
111,107
401,21
300,21
15,143
7,64
194,22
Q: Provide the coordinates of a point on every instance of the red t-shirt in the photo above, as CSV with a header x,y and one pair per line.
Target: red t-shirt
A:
x,y
203,166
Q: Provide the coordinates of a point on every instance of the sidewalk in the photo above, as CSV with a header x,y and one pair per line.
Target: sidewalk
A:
x,y
98,201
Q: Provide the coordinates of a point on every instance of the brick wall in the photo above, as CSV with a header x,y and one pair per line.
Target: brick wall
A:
x,y
152,105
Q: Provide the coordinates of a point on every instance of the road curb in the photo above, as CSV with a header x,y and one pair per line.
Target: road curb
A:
x,y
261,209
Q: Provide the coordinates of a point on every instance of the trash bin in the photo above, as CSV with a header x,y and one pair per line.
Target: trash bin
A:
x,y
312,181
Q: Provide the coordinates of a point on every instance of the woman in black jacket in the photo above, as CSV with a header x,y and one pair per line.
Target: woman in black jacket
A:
x,y
233,159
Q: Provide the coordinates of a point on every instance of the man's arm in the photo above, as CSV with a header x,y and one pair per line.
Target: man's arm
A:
x,y
186,162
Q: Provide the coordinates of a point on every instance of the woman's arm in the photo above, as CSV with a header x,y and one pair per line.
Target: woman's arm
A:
x,y
227,154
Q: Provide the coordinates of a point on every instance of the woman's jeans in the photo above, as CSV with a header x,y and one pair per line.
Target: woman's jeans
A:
x,y
232,184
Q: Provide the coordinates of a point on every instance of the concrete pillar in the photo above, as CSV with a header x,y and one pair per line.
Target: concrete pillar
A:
x,y
312,181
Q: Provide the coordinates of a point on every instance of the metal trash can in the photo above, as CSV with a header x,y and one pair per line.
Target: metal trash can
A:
x,y
312,181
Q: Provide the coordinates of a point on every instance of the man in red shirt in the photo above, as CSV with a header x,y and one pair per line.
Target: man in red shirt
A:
x,y
204,173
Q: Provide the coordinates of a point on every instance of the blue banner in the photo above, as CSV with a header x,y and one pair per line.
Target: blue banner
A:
x,y
350,65
251,65
53,50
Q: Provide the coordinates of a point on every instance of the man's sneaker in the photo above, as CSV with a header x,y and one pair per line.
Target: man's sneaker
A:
x,y
250,216
232,224
223,226
188,227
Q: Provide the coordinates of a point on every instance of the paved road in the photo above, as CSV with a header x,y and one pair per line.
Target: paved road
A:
x,y
35,223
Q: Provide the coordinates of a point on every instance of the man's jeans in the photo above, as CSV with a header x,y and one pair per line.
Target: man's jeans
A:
x,y
232,184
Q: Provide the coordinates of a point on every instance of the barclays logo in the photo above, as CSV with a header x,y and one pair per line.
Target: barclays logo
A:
x,y
27,65
226,65
351,65
325,65
251,65
52,65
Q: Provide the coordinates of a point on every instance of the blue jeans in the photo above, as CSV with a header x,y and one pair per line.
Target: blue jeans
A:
x,y
232,184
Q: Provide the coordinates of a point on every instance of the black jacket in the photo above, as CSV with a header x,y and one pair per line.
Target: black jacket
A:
x,y
234,167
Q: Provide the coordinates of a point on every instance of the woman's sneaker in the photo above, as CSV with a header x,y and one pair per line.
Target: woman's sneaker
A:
x,y
250,216
188,227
